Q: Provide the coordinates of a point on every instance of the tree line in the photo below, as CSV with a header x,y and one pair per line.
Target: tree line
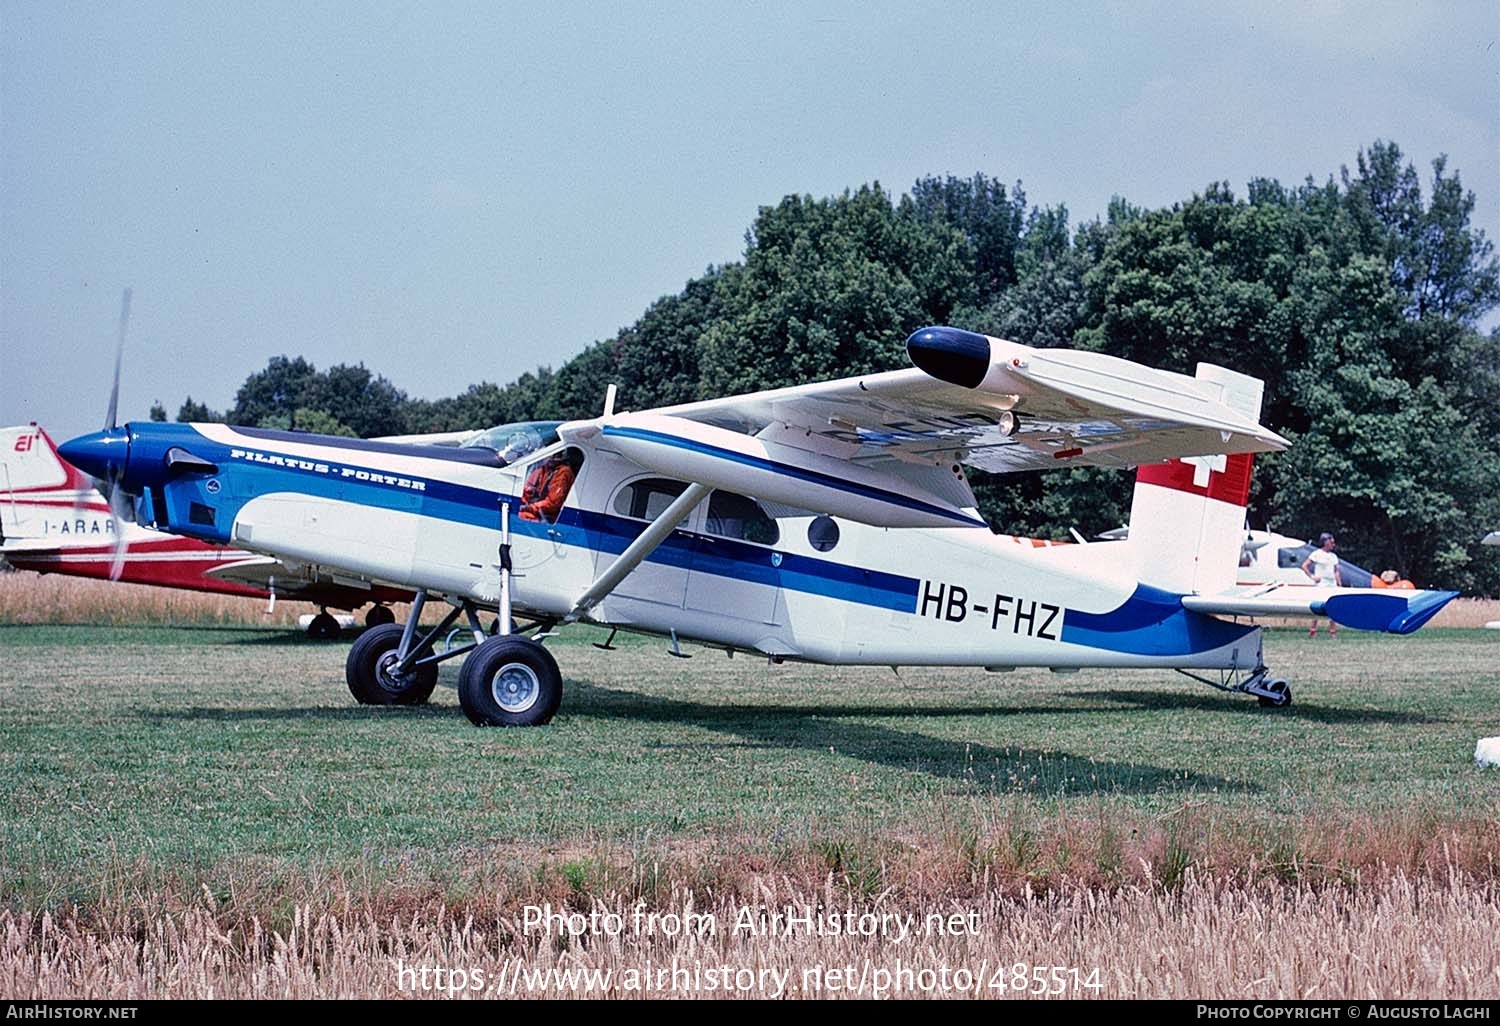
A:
x,y
1359,300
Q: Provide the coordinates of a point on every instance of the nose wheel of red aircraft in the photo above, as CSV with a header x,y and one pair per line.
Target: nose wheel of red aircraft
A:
x,y
509,682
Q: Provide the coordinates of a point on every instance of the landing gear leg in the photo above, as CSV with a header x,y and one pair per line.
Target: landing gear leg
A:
x,y
509,680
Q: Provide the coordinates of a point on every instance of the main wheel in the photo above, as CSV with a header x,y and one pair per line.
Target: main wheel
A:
x,y
377,615
324,627
509,682
372,675
1282,693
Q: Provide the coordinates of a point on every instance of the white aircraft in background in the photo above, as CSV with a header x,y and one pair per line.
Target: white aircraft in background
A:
x,y
1267,558
829,523
53,520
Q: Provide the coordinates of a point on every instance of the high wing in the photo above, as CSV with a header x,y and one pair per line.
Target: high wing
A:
x,y
885,449
1367,609
1070,407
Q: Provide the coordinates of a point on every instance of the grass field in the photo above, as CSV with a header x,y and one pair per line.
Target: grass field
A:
x,y
213,780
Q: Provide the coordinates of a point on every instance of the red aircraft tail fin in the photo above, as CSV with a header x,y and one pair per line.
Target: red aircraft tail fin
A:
x,y
30,468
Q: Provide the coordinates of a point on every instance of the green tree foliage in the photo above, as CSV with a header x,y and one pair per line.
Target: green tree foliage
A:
x,y
1358,300
346,400
827,286
193,412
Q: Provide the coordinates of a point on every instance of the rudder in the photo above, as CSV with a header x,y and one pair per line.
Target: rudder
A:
x,y
1187,517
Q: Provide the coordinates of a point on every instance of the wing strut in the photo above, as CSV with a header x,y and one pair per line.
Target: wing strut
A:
x,y
638,550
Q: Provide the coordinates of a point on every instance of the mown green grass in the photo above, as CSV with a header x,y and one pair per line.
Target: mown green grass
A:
x,y
167,749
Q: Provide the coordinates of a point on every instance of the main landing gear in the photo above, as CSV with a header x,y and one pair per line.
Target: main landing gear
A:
x,y
506,680
1270,692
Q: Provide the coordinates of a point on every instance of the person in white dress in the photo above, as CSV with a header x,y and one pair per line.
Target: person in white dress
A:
x,y
1323,567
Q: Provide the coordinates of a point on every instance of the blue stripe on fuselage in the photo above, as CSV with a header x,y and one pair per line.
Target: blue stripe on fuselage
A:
x,y
1151,622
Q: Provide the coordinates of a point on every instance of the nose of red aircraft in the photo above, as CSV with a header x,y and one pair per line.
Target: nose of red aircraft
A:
x,y
102,454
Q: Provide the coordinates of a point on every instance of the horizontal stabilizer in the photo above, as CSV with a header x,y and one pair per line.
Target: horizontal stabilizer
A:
x,y
1364,609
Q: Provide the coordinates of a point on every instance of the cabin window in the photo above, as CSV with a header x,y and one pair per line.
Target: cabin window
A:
x,y
823,533
735,516
647,498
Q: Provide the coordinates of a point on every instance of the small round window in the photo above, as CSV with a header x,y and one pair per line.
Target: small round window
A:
x,y
823,533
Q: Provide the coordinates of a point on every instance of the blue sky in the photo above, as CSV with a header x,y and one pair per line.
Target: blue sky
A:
x,y
452,193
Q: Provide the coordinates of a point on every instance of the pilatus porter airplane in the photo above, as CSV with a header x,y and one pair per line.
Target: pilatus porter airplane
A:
x,y
829,523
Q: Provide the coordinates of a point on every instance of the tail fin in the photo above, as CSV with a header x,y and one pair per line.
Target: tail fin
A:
x,y
1187,519
29,463
36,483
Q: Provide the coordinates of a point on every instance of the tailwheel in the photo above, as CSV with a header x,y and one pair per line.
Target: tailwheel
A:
x,y
374,673
509,681
1273,693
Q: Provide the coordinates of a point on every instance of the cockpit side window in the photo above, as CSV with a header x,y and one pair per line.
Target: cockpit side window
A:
x,y
548,483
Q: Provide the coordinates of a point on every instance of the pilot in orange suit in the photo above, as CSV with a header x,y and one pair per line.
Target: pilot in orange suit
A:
x,y
547,486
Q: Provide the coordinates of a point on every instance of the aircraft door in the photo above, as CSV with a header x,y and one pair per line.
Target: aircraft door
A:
x,y
544,518
663,577
735,568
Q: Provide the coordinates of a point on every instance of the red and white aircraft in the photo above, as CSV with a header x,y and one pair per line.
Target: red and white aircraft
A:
x,y
53,520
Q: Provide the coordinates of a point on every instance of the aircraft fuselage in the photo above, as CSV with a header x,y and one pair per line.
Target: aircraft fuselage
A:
x,y
778,582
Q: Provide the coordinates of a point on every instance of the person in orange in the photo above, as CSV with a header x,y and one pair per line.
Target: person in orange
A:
x,y
547,486
1391,579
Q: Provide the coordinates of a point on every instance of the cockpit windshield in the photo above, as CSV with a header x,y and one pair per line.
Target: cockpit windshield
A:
x,y
512,442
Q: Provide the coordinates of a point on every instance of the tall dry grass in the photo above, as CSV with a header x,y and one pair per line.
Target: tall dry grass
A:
x,y
1467,612
32,598
1405,938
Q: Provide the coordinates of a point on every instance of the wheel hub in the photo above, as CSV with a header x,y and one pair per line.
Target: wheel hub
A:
x,y
515,687
389,676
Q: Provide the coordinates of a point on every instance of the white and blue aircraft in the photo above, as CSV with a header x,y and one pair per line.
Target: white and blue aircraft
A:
x,y
829,523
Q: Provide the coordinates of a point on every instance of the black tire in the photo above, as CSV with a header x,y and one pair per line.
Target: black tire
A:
x,y
1283,694
324,627
368,670
509,682
377,616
